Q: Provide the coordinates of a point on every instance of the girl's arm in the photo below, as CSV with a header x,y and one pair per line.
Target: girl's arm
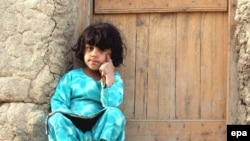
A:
x,y
60,100
113,96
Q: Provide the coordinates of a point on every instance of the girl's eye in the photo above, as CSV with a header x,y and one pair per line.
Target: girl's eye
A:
x,y
89,48
105,50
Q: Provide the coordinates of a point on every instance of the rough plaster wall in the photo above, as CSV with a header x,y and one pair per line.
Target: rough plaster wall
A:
x,y
243,48
35,39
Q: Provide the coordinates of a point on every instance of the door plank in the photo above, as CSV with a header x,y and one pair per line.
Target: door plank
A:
x,y
126,24
207,40
188,66
176,130
153,6
142,33
166,45
219,70
153,68
213,66
164,57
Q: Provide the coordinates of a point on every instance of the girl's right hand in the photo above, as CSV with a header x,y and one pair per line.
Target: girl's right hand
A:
x,y
107,72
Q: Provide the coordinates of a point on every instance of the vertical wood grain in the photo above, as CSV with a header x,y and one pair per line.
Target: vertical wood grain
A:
x,y
188,66
166,60
213,66
142,35
153,68
219,68
207,41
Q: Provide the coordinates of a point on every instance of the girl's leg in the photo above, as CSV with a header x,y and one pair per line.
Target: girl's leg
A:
x,y
61,128
110,126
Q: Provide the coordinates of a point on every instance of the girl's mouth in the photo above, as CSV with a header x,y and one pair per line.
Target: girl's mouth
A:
x,y
94,62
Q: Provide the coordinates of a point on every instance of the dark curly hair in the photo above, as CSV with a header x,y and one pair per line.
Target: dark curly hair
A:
x,y
104,36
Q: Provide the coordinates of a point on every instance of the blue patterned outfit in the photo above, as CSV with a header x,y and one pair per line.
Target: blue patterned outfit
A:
x,y
78,95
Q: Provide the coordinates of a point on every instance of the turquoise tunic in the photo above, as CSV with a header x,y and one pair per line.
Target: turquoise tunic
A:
x,y
81,96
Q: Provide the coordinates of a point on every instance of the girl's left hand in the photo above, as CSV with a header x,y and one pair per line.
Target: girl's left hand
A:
x,y
107,71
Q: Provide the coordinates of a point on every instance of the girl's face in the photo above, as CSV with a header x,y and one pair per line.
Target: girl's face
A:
x,y
94,57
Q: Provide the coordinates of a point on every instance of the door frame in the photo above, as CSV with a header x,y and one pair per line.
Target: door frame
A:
x,y
233,94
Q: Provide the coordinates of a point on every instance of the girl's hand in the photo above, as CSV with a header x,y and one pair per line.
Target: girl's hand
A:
x,y
107,72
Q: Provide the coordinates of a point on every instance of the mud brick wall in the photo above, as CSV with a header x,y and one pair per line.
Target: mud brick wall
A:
x,y
35,41
242,37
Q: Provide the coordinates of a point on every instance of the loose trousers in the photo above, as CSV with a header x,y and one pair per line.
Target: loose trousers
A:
x,y
109,126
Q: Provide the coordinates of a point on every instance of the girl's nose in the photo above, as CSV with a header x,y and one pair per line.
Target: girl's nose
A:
x,y
95,52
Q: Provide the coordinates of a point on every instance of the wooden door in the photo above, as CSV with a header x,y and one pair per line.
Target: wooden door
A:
x,y
176,69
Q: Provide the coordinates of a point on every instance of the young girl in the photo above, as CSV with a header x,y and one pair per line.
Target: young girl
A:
x,y
85,103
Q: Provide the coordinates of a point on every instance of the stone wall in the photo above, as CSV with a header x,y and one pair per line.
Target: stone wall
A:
x,y
242,36
35,41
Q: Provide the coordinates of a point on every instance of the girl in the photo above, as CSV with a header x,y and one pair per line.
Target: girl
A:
x,y
85,103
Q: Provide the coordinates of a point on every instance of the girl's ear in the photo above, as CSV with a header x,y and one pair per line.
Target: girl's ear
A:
x,y
109,52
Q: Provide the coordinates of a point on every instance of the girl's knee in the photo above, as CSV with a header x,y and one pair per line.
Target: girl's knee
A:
x,y
115,113
56,118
